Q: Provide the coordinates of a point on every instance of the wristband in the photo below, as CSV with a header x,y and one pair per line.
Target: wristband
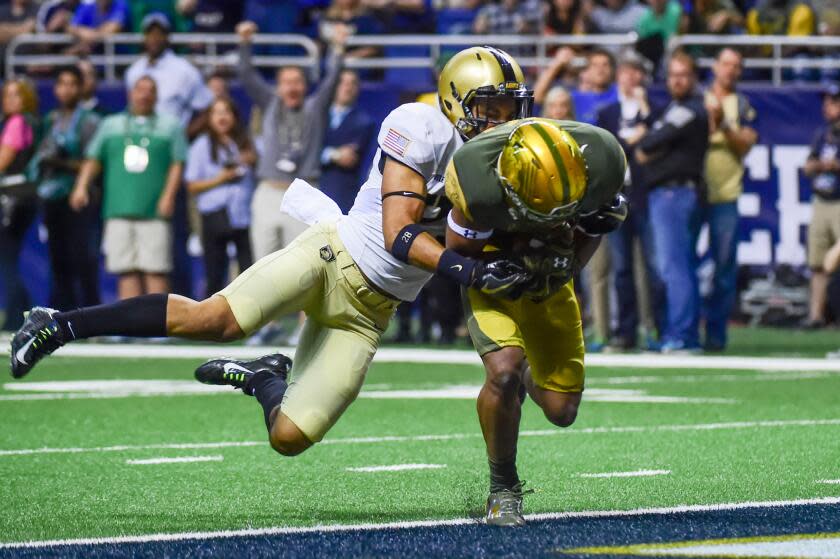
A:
x,y
456,267
466,232
403,241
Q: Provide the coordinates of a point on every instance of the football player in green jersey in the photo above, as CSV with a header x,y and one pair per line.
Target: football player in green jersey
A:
x,y
545,190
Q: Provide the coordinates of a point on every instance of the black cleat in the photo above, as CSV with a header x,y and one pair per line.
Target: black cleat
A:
x,y
236,373
39,336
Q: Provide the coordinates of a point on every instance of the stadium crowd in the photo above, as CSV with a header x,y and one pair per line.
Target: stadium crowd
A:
x,y
116,180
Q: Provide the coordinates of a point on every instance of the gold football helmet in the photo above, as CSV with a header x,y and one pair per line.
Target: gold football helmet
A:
x,y
542,171
480,73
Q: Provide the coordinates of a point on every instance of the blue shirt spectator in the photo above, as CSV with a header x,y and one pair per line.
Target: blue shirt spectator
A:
x,y
220,173
233,195
212,16
595,87
95,13
348,136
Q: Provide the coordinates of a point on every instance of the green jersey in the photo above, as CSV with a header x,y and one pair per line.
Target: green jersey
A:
x,y
136,153
473,186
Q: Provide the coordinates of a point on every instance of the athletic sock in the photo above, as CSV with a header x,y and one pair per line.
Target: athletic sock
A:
x,y
139,317
268,389
503,474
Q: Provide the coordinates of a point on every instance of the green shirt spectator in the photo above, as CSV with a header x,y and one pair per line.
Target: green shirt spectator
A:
x,y
142,8
135,152
662,18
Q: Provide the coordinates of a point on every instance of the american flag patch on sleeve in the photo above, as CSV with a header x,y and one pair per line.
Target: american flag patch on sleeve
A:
x,y
396,142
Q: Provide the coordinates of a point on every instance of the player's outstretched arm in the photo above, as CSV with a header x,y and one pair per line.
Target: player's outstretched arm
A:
x,y
403,202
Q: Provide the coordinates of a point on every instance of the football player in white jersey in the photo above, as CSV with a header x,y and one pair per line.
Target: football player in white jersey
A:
x,y
347,275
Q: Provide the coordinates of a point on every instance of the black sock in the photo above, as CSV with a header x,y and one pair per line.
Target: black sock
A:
x,y
503,474
268,389
140,317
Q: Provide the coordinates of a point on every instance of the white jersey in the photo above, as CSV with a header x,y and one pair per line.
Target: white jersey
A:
x,y
419,136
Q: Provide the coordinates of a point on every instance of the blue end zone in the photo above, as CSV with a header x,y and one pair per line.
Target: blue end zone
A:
x,y
538,539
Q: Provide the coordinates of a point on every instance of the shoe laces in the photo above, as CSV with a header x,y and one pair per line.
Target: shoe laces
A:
x,y
48,338
510,500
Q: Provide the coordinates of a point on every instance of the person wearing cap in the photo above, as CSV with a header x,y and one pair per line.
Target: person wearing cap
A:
x,y
639,291
672,154
181,89
823,167
731,137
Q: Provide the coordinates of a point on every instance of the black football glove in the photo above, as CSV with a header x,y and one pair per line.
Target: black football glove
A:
x,y
605,219
500,277
551,267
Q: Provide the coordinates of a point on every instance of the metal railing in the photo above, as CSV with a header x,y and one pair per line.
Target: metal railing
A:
x,y
206,50
209,50
779,46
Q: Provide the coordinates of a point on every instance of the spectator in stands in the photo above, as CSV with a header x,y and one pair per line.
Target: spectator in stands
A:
x,y
352,18
293,129
595,87
781,17
823,166
141,8
350,131
55,16
220,172
72,236
95,20
509,17
89,83
403,16
211,16
617,16
17,203
673,154
828,25
631,246
662,18
217,83
564,17
731,137
16,18
141,155
181,90
558,104
715,16
293,126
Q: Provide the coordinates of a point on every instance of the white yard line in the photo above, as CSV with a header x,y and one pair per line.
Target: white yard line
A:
x,y
444,437
637,473
396,468
468,357
284,530
176,460
829,481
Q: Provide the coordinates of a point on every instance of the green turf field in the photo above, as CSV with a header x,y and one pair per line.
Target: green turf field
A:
x,y
723,436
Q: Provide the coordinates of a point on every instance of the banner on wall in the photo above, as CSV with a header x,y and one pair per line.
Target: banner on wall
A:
x,y
775,206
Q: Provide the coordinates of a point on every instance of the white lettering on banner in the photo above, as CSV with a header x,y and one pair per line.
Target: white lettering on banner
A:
x,y
792,212
758,251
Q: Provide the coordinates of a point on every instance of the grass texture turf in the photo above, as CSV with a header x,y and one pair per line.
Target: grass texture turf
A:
x,y
729,436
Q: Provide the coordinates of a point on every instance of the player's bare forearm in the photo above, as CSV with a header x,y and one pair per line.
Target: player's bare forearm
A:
x,y
404,209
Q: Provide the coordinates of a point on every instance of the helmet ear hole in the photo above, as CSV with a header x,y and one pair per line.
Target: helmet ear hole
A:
x,y
448,104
